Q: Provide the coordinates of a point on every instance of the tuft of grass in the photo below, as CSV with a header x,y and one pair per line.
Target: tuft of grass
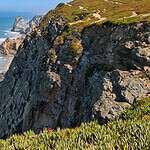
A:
x,y
59,40
76,46
53,55
138,111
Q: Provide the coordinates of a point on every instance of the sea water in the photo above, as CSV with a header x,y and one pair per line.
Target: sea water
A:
x,y
6,23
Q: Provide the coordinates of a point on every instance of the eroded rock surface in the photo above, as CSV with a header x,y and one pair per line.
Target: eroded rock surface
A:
x,y
107,75
10,46
33,23
20,25
23,26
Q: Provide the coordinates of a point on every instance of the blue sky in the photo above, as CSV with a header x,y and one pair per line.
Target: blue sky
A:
x,y
35,6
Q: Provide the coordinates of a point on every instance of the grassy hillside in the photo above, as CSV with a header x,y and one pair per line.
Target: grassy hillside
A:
x,y
131,131
81,13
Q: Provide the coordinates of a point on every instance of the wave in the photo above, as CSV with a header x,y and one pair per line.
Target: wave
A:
x,y
10,34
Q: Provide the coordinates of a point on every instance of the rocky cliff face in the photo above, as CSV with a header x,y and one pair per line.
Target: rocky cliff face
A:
x,y
23,26
61,83
20,25
33,23
10,46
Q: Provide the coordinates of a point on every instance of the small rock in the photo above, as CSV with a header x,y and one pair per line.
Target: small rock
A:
x,y
146,68
129,45
148,39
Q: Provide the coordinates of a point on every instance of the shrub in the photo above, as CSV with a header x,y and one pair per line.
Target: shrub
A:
x,y
76,46
53,56
59,40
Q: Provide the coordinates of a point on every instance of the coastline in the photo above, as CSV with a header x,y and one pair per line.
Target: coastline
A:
x,y
5,61
9,34
7,20
11,37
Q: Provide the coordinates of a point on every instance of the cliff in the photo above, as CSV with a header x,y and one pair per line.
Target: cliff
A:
x,y
70,71
23,26
20,25
11,45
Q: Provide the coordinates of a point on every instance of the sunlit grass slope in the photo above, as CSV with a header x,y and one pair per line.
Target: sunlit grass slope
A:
x,y
81,13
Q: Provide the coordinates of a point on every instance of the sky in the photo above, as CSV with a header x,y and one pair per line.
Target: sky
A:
x,y
34,6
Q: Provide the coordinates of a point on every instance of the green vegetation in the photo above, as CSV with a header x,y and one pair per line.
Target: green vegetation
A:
x,y
59,40
76,46
82,13
130,132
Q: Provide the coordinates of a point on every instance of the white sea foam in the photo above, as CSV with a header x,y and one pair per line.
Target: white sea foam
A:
x,y
11,34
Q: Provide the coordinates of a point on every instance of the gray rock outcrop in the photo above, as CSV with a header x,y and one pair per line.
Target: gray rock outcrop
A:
x,y
33,23
11,45
50,85
23,26
20,25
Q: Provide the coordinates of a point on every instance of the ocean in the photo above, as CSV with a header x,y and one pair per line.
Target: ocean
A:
x,y
6,23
